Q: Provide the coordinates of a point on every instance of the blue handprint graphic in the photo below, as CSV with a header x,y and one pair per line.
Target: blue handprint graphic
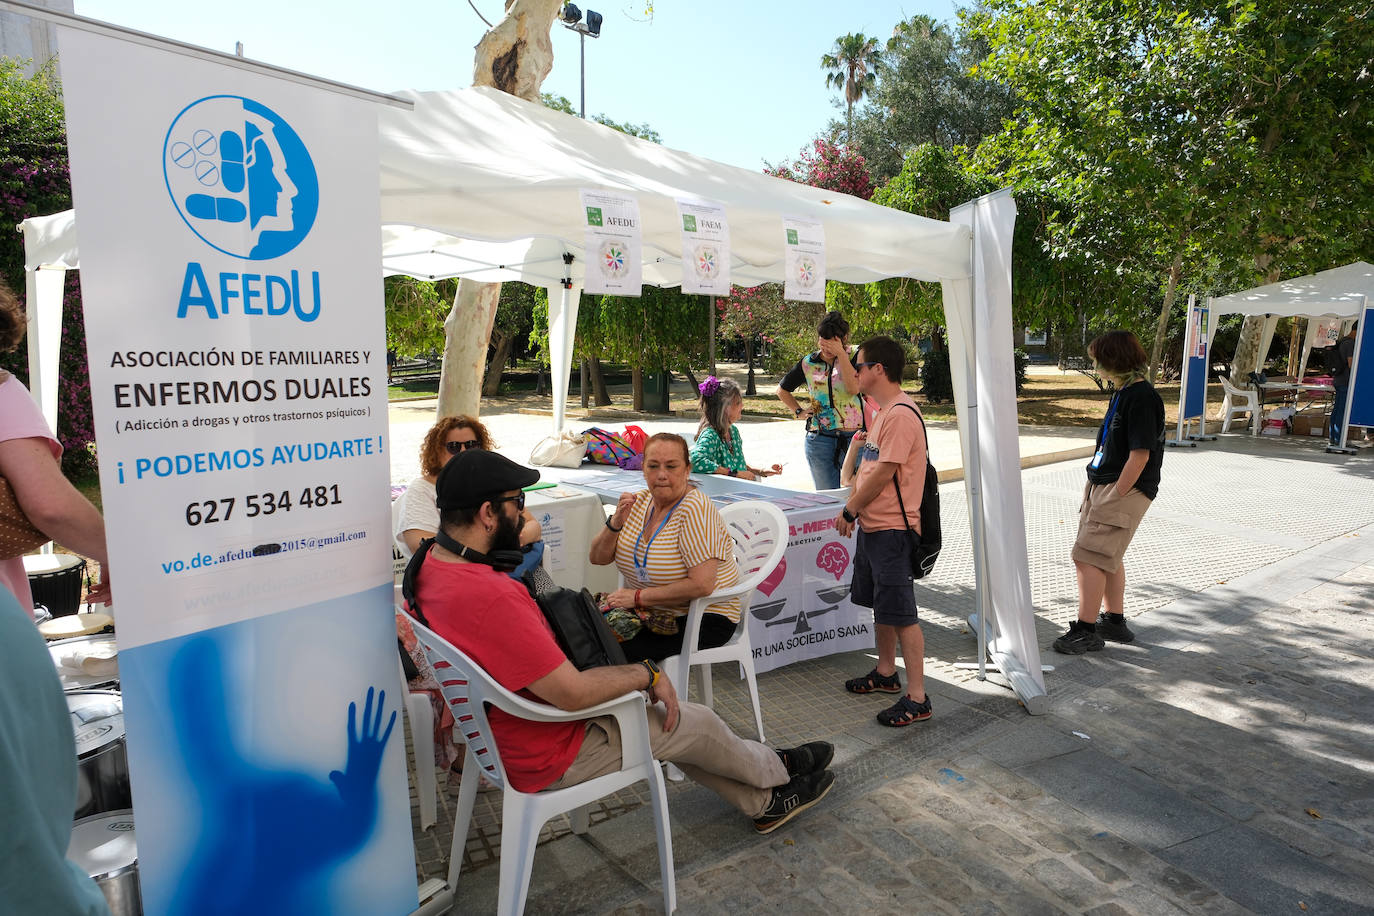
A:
x,y
269,838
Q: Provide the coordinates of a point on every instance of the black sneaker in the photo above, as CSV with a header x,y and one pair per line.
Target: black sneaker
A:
x,y
1078,640
800,793
808,758
1115,630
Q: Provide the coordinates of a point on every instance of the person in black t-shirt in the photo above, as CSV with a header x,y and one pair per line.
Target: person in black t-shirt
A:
x,y
1123,478
1340,380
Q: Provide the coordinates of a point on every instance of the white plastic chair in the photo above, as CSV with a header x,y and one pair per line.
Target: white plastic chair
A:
x,y
469,690
421,716
1238,401
759,530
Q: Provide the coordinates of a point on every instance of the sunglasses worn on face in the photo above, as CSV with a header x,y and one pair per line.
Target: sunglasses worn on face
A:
x,y
518,499
456,447
867,365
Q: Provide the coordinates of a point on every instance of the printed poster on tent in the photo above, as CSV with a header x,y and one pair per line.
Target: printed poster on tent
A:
x,y
230,238
802,609
613,243
705,248
804,244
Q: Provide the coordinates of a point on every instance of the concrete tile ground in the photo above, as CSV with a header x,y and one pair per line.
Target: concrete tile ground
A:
x,y
1219,764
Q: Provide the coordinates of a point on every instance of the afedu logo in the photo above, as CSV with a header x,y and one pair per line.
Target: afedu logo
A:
x,y
240,177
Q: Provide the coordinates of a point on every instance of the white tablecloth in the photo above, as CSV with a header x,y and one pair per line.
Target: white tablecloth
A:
x,y
571,517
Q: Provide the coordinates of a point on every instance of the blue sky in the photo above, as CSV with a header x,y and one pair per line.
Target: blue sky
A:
x,y
739,81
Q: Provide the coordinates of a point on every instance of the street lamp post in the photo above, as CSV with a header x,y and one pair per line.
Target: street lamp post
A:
x,y
571,17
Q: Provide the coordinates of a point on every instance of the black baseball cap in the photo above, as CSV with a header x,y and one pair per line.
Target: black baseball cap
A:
x,y
474,476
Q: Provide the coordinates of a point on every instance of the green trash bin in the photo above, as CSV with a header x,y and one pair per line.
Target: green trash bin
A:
x,y
656,391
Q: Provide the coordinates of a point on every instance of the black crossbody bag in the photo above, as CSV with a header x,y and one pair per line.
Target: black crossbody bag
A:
x,y
925,546
578,626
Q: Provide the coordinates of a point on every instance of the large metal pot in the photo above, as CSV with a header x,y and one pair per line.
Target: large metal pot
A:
x,y
104,846
102,764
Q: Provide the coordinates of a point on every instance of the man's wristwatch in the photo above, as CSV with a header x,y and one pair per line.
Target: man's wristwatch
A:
x,y
798,411
654,673
848,516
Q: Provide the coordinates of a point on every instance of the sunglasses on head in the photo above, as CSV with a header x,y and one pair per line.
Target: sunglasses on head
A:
x,y
518,499
456,447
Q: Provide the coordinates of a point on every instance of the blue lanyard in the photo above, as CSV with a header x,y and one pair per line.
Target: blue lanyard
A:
x,y
643,567
1107,421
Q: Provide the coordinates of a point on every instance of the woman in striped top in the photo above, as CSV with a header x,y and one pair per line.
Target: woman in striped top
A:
x,y
671,546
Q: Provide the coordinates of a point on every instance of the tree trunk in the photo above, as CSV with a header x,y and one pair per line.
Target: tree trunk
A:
x,y
637,388
749,389
1247,347
515,57
466,332
502,344
541,384
600,396
1294,348
1162,327
691,377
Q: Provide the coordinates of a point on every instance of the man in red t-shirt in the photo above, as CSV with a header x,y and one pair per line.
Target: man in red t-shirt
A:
x,y
894,455
463,597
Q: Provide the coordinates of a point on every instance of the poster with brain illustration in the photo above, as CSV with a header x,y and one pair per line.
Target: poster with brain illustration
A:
x,y
802,609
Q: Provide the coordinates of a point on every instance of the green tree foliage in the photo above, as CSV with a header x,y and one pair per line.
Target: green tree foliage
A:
x,y
34,181
926,92
1190,142
663,328
851,68
642,131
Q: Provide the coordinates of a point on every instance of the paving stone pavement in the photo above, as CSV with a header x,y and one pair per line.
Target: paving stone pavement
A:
x,y
1222,763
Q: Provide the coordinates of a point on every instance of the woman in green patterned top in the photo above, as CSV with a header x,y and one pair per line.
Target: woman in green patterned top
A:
x,y
719,448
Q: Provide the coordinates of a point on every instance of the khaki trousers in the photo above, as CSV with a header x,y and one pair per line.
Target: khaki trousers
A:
x,y
740,771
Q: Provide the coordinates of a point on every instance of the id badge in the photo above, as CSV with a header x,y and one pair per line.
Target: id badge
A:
x,y
1097,460
642,573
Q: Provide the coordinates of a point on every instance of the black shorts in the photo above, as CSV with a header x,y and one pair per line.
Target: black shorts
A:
x,y
882,577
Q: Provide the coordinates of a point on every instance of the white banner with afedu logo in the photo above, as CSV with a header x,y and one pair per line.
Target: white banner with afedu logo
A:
x,y
229,265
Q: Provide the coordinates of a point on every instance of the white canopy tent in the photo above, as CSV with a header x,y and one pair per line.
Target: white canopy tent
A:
x,y
476,183
1340,292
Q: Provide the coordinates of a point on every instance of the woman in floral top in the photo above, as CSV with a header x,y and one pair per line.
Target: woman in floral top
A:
x,y
719,448
835,413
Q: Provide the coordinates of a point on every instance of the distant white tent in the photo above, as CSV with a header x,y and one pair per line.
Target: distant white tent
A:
x,y
1340,292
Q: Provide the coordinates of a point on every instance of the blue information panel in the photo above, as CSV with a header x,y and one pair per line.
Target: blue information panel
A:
x,y
1194,401
1362,375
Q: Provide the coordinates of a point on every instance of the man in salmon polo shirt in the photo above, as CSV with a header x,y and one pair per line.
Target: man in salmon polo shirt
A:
x,y
461,595
894,456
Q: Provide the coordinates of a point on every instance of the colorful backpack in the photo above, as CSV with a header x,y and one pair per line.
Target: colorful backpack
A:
x,y
605,447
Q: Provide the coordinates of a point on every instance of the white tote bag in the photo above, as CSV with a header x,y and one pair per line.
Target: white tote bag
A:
x,y
564,451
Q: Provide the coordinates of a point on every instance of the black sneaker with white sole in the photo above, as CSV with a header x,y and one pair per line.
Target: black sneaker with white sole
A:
x,y
800,793
1078,640
1115,630
807,758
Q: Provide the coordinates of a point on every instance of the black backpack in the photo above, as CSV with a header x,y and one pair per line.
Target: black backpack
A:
x,y
925,546
1335,360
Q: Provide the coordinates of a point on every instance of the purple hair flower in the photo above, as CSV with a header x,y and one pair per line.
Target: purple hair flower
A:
x,y
709,387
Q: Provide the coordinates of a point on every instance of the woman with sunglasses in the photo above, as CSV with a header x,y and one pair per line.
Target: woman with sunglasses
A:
x,y
419,518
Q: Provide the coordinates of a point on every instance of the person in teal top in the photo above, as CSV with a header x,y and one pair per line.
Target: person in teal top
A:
x,y
836,411
719,448
37,779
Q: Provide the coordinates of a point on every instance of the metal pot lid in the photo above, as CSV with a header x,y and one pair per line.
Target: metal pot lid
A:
x,y
103,844
97,656
97,719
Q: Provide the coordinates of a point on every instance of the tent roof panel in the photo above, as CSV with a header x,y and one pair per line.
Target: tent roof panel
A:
x,y
1338,292
515,171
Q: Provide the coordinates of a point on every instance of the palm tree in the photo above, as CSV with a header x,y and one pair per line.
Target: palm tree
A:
x,y
852,64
